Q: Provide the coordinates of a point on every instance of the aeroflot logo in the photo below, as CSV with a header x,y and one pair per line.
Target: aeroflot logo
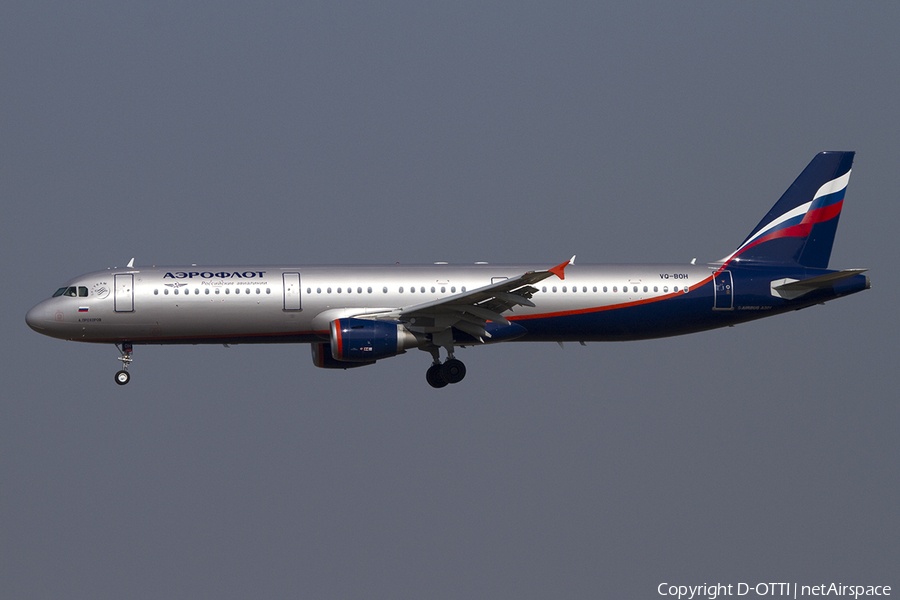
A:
x,y
211,275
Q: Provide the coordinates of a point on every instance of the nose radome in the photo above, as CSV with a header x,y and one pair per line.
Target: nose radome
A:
x,y
36,318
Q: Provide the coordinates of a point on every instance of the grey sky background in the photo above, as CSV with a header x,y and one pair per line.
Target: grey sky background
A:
x,y
335,132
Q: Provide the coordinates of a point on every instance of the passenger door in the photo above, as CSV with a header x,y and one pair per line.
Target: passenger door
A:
x,y
124,295
724,292
292,291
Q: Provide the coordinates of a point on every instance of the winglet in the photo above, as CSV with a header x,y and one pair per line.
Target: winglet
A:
x,y
130,264
560,269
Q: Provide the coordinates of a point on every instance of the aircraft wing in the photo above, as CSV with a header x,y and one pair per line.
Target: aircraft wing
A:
x,y
469,311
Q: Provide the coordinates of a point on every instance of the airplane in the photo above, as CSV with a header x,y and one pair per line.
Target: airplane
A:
x,y
353,316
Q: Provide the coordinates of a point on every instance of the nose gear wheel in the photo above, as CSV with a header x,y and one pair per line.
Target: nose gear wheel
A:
x,y
122,376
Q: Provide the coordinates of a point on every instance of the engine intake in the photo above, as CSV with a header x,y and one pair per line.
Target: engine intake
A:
x,y
362,340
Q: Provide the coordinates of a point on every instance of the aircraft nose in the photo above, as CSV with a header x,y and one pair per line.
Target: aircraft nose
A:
x,y
37,318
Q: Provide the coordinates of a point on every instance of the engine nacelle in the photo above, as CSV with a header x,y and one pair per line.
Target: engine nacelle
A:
x,y
362,340
321,355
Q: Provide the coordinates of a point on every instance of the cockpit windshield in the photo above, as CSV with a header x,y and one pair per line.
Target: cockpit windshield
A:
x,y
72,291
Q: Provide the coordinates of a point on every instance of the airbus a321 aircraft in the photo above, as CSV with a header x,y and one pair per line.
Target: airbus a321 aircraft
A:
x,y
356,315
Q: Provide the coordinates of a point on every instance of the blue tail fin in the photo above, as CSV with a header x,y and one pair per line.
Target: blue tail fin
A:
x,y
800,228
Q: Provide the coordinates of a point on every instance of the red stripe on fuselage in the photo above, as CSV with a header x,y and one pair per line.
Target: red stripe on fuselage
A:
x,y
581,311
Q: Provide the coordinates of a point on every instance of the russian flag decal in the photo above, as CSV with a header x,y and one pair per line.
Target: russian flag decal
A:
x,y
82,309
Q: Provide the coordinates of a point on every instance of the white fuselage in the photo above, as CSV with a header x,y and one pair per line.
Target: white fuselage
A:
x,y
297,303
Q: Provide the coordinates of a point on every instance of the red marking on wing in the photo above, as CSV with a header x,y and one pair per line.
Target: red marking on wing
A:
x,y
560,270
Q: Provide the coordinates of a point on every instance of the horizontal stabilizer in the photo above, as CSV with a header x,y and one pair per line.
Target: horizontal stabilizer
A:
x,y
793,288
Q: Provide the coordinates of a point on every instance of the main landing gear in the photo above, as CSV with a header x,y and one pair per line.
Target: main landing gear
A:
x,y
123,377
451,371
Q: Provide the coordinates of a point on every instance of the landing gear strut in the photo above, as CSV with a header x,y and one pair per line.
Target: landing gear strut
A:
x,y
451,371
122,376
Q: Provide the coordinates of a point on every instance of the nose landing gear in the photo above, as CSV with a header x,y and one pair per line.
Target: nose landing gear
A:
x,y
122,376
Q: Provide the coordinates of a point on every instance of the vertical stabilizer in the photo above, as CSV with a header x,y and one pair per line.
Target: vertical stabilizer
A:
x,y
800,227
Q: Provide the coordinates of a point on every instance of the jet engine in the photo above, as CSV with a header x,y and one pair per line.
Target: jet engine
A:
x,y
362,340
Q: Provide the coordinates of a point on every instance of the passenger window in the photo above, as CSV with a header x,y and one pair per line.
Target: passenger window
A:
x,y
384,289
432,289
176,291
339,290
318,290
584,289
595,289
227,290
206,291
553,289
564,288
401,289
675,289
257,290
615,289
634,289
422,289
359,290
328,290
666,289
217,290
268,290
412,289
464,289
604,289
544,289
443,289
308,290
453,289
246,290
156,292
645,289
166,291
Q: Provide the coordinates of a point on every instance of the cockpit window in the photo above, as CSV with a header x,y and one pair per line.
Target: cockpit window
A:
x,y
59,292
71,291
82,291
